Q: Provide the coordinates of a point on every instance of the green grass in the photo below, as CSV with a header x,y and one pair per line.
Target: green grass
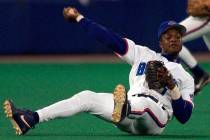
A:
x,y
34,86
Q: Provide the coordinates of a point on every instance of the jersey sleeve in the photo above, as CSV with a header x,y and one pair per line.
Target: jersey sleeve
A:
x,y
106,36
184,81
136,52
187,88
183,106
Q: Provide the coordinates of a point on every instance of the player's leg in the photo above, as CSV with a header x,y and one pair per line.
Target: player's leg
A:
x,y
120,102
100,104
22,120
86,101
187,57
151,116
196,27
145,116
206,78
201,77
121,111
206,39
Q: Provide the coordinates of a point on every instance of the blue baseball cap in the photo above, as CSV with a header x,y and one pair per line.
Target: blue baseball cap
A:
x,y
164,26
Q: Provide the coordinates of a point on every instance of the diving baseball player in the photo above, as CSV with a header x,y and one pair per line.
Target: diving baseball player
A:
x,y
197,25
159,89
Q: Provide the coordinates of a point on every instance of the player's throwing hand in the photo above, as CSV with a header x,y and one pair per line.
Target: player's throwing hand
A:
x,y
71,14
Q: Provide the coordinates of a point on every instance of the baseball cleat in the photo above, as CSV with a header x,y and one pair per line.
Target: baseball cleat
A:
x,y
200,83
119,96
21,120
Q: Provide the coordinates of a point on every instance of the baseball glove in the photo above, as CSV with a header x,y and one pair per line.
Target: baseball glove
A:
x,y
157,76
198,8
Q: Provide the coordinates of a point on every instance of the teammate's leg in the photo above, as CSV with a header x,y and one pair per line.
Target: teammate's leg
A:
x,y
187,57
201,77
206,39
196,27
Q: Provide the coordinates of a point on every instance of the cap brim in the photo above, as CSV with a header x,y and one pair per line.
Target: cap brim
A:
x,y
178,27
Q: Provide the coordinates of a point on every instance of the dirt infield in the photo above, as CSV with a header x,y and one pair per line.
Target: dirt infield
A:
x,y
96,58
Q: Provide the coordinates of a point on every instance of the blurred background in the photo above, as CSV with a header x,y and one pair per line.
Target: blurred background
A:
x,y
38,27
66,62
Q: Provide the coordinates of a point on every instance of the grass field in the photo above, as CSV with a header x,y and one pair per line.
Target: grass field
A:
x,y
34,86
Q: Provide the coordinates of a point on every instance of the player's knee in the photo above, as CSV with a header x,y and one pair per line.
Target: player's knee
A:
x,y
83,100
86,92
139,104
84,95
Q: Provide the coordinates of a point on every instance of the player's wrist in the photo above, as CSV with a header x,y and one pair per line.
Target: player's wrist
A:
x,y
175,93
79,18
170,82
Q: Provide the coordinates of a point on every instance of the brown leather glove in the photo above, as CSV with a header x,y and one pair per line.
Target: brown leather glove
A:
x,y
198,8
157,76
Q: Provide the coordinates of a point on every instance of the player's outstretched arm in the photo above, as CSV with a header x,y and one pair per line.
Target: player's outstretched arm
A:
x,y
99,32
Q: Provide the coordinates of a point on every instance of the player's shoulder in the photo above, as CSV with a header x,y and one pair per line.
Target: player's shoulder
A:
x,y
174,67
132,43
178,70
144,49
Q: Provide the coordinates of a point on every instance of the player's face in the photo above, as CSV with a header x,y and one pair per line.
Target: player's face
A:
x,y
171,42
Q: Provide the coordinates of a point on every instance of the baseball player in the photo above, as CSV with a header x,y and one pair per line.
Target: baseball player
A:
x,y
159,89
197,25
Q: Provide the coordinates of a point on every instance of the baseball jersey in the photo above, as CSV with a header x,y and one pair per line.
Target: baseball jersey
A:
x,y
138,56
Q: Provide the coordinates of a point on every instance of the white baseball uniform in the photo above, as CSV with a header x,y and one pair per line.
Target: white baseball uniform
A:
x,y
150,110
196,27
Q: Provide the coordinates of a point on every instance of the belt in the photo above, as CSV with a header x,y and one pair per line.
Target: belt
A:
x,y
149,96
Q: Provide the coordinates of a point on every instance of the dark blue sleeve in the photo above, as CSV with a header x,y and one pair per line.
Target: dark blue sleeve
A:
x,y
182,110
105,36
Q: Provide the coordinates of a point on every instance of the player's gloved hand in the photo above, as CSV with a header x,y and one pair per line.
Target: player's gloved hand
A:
x,y
157,76
198,8
71,14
